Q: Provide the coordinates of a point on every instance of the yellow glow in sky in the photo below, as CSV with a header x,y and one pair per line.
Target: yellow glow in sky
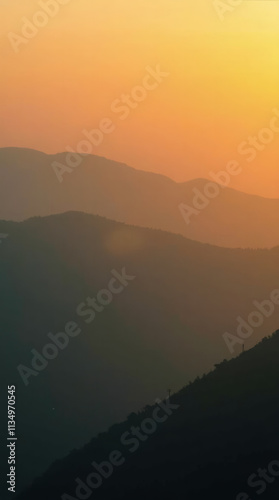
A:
x,y
222,85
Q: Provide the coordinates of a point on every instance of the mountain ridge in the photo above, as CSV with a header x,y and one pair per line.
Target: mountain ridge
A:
x,y
194,180
122,193
152,336
168,460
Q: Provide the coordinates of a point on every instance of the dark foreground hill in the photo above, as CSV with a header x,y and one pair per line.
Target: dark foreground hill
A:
x,y
216,439
159,327
114,190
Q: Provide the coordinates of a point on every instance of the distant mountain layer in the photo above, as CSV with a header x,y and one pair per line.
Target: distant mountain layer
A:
x,y
216,439
163,305
29,187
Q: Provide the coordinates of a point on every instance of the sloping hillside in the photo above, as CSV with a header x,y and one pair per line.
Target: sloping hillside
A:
x,y
215,439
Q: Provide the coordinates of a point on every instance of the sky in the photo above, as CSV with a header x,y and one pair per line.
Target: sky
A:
x,y
222,84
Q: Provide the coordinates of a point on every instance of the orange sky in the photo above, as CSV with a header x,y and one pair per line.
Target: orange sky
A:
x,y
222,86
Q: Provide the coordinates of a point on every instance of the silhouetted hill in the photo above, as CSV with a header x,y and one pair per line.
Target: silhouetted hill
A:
x,y
114,190
220,439
161,330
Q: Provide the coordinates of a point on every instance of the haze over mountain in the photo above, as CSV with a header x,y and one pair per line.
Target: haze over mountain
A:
x,y
126,270
163,330
121,193
218,440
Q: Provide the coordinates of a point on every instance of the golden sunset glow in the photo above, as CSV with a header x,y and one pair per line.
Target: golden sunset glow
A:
x,y
222,85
